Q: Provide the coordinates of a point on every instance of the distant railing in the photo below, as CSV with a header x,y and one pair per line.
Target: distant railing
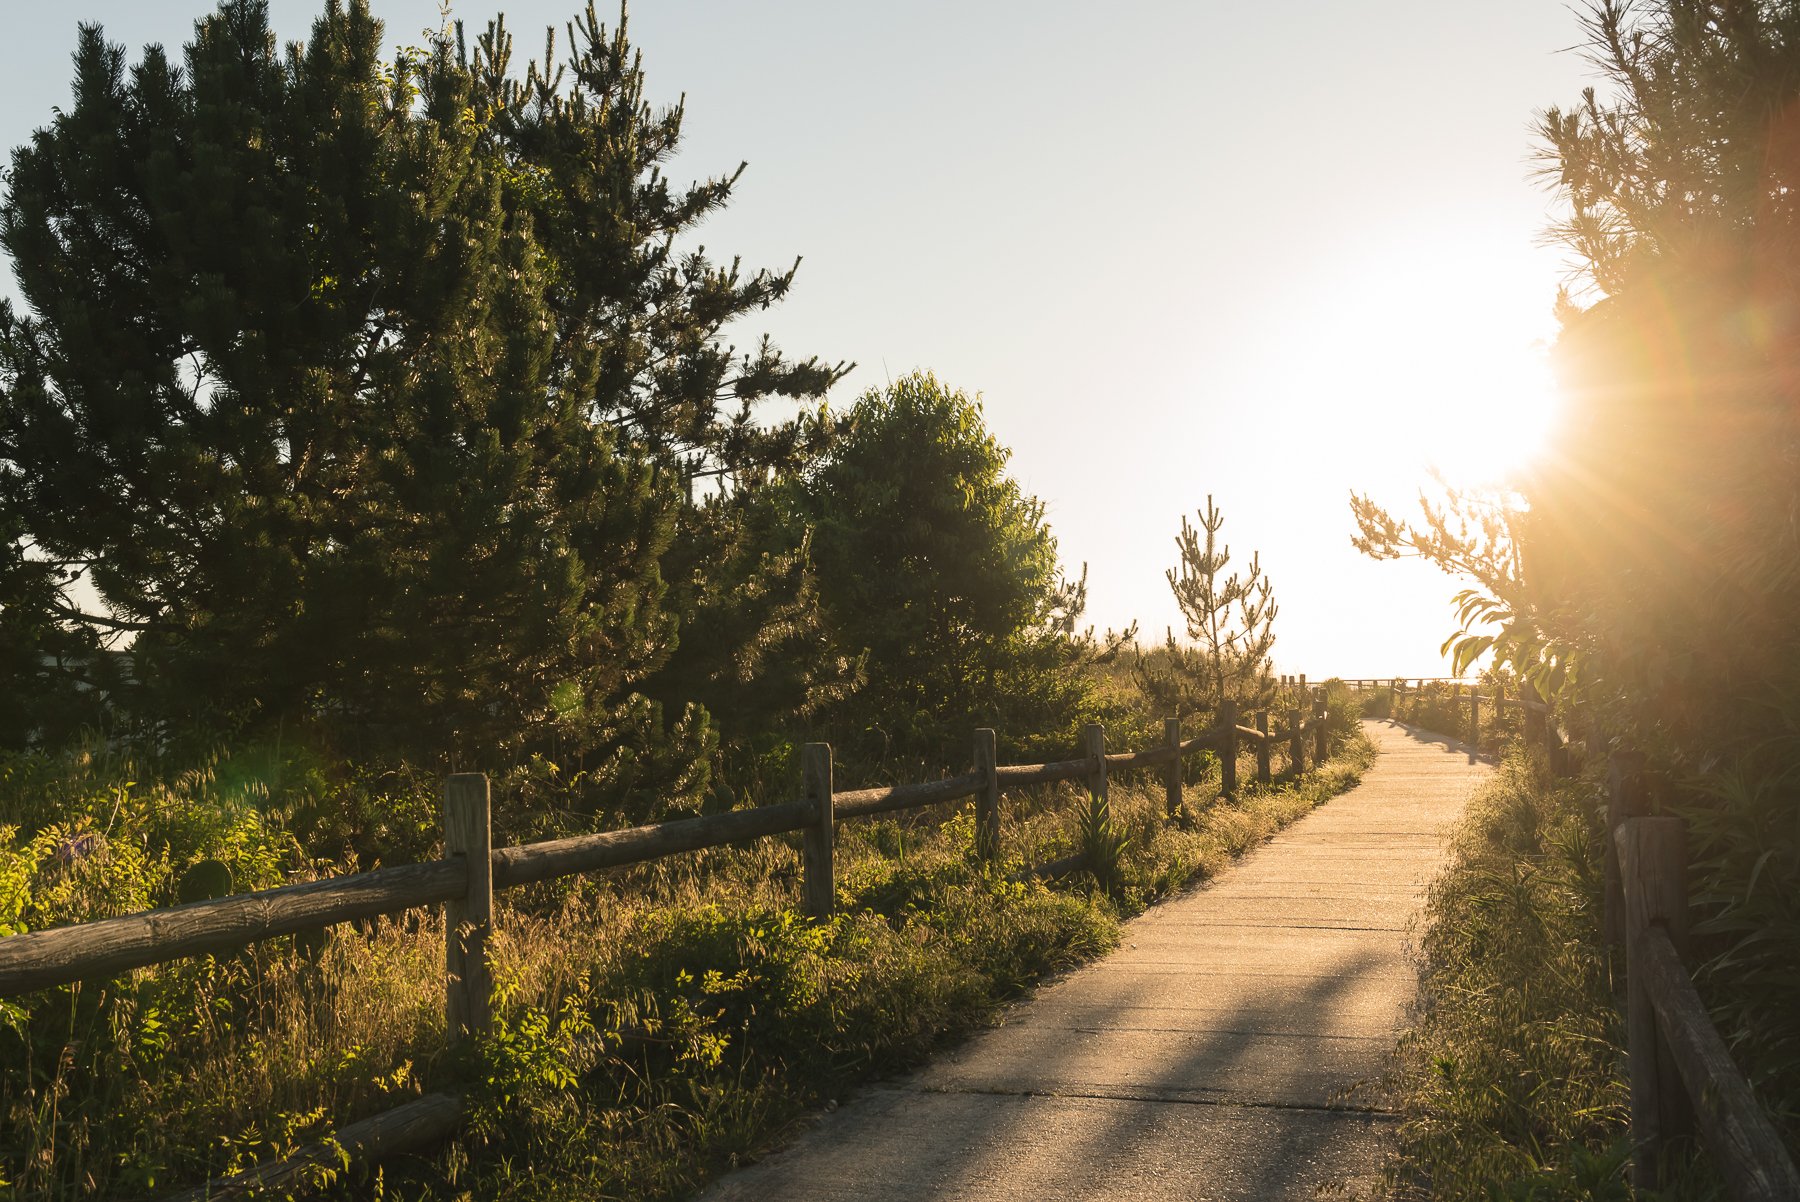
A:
x,y
471,869
1539,727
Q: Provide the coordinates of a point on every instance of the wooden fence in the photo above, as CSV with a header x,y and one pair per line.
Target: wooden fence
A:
x,y
471,869
1539,725
1683,1080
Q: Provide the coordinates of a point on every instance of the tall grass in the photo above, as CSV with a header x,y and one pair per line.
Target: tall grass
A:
x,y
1512,1080
653,1025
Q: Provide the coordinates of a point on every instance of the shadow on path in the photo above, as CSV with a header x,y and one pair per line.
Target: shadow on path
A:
x,y
1228,1050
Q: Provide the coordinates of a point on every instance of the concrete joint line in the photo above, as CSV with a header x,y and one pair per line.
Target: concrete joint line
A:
x,y
1373,1112
1384,1040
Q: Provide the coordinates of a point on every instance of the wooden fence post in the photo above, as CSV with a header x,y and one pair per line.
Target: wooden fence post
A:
x,y
1172,775
469,984
1262,748
1625,798
1653,860
1297,741
1093,739
987,802
1475,719
820,873
1321,736
1228,752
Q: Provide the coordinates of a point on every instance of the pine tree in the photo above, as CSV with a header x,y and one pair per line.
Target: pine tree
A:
x,y
369,392
1230,618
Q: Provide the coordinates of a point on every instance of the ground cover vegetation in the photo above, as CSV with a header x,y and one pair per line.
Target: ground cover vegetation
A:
x,y
654,1025
369,418
1510,1080
1645,573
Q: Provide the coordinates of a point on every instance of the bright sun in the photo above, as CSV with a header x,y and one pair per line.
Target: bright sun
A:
x,y
1478,421
1405,387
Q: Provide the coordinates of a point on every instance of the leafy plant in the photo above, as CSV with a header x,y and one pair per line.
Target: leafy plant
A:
x,y
1102,843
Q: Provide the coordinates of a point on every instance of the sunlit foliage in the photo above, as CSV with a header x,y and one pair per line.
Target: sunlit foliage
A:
x,y
937,564
1648,570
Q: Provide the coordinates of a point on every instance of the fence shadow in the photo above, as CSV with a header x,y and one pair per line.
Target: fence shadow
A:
x,y
1432,738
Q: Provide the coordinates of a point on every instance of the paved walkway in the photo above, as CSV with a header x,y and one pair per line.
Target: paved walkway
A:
x,y
1227,1051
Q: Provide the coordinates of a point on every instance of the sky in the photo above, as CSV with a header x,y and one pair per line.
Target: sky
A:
x,y
1270,253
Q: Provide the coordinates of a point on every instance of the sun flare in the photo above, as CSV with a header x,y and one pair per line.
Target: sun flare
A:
x,y
1406,388
1487,422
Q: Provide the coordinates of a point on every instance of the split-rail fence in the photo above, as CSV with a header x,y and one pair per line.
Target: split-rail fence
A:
x,y
471,869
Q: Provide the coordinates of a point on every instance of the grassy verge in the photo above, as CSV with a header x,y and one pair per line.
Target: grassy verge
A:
x,y
654,1026
1512,1080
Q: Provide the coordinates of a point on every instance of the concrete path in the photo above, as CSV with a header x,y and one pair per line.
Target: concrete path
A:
x,y
1227,1051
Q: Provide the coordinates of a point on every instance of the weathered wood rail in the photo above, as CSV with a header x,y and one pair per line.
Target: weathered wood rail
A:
x,y
471,869
1683,1080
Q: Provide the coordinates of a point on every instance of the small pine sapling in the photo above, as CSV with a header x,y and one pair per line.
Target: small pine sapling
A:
x,y
1231,619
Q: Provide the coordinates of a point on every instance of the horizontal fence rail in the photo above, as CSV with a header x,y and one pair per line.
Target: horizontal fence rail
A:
x,y
419,1123
59,955
862,802
464,881
1043,774
616,849
1683,1080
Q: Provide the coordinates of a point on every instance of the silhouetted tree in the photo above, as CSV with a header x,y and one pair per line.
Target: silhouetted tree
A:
x,y
1650,565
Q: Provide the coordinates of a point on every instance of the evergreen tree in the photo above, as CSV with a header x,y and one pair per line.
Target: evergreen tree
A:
x,y
755,649
1230,622
368,392
935,562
